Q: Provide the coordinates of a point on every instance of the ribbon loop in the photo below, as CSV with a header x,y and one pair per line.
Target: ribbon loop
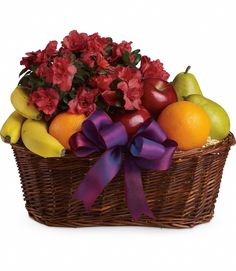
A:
x,y
146,148
93,125
82,146
151,130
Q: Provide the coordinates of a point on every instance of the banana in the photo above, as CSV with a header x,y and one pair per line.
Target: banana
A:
x,y
20,101
11,129
36,138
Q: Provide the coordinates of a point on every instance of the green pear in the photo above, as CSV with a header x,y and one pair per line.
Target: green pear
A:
x,y
185,84
220,123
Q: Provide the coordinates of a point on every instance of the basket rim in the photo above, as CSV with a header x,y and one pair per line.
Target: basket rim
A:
x,y
225,143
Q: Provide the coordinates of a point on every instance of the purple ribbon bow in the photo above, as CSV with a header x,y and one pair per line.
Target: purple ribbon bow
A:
x,y
149,148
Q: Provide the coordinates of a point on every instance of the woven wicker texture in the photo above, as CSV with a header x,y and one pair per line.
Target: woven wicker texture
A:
x,y
180,197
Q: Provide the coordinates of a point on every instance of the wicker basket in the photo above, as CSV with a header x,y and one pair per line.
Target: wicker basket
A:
x,y
180,197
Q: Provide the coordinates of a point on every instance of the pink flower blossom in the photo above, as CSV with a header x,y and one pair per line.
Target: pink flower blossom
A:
x,y
110,97
45,99
119,49
96,43
94,59
63,72
84,102
153,69
88,59
102,81
101,62
29,59
40,56
131,86
44,71
75,42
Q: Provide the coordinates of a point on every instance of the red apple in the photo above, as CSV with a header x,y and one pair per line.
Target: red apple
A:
x,y
157,95
132,120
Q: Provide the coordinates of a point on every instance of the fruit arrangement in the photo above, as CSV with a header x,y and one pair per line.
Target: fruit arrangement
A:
x,y
60,88
93,95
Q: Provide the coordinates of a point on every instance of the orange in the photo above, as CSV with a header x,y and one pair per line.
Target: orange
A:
x,y
186,123
64,125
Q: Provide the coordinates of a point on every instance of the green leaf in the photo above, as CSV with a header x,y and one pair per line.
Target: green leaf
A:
x,y
120,101
63,107
137,59
125,57
104,71
135,52
114,83
79,64
108,49
24,81
100,102
73,57
34,67
73,92
66,98
23,71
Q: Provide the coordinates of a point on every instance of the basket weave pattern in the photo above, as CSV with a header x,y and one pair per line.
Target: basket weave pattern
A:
x,y
180,197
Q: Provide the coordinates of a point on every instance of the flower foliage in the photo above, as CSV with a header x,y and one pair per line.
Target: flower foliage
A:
x,y
87,72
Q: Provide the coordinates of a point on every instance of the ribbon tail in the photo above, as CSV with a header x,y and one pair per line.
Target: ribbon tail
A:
x,y
135,197
101,173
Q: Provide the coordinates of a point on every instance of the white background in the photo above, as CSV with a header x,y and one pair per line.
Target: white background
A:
x,y
183,32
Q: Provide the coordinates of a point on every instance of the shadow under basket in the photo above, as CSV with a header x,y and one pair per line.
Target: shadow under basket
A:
x,y
180,197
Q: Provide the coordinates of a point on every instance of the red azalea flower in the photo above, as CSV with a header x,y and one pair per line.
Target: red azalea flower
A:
x,y
29,59
119,49
84,102
63,72
88,59
101,62
97,44
110,97
131,86
44,71
102,81
154,69
75,41
40,56
45,99
50,50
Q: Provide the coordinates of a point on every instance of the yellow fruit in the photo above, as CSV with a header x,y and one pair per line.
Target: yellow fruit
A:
x,y
186,123
36,138
64,125
20,101
11,129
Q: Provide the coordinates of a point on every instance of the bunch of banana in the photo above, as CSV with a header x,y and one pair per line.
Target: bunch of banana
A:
x,y
25,123
20,101
36,138
11,129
